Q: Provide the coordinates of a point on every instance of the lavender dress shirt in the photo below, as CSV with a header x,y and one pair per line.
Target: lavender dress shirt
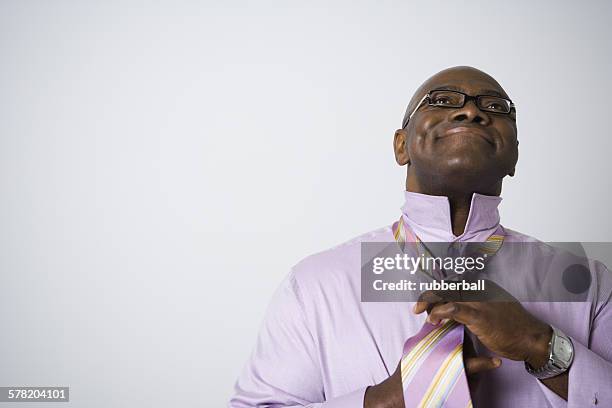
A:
x,y
320,346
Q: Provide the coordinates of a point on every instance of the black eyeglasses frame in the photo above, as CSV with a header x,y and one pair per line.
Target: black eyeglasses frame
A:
x,y
466,98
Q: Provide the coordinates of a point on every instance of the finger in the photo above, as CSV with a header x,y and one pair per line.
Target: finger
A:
x,y
457,311
421,306
429,298
449,295
426,301
475,365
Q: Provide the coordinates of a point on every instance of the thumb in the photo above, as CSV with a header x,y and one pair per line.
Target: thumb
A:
x,y
474,365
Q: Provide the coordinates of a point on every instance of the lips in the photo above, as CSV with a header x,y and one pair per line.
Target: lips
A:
x,y
467,131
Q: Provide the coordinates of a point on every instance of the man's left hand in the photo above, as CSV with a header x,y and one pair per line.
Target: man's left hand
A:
x,y
504,327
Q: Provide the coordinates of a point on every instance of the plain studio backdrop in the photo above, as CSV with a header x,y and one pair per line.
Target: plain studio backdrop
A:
x,y
163,165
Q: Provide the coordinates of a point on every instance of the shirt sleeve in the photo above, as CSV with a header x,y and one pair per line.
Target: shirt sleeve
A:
x,y
283,369
590,375
591,372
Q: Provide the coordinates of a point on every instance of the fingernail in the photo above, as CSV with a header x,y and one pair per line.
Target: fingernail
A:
x,y
432,321
496,362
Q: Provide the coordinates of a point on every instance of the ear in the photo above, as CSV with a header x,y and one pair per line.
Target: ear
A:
x,y
400,147
511,173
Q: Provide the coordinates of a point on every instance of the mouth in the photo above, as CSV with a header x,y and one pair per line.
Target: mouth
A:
x,y
468,131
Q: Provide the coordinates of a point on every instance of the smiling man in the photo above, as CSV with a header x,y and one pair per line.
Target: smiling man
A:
x,y
320,345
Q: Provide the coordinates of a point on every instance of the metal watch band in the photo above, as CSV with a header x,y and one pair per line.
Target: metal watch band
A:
x,y
554,366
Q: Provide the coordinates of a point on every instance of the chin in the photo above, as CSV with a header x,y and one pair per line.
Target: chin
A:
x,y
465,164
465,172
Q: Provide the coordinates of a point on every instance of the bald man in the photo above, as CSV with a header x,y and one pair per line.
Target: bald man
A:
x,y
320,345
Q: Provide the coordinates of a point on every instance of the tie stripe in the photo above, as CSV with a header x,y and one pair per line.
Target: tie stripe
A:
x,y
418,353
437,375
445,379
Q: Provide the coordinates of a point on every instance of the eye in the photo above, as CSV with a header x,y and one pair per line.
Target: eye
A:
x,y
496,106
446,98
441,100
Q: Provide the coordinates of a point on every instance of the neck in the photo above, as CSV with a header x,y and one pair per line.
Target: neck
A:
x,y
459,211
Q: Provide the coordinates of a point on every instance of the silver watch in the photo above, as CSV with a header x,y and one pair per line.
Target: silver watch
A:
x,y
560,357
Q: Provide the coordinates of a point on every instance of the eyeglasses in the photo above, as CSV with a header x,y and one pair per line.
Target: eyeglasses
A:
x,y
445,98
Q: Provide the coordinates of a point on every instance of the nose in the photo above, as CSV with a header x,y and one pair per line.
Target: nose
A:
x,y
470,113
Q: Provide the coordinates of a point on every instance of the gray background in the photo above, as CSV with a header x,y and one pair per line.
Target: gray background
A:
x,y
163,164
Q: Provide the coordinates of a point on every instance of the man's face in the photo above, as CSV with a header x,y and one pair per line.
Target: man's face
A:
x,y
462,145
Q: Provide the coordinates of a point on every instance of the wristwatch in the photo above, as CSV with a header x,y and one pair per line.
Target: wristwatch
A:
x,y
560,357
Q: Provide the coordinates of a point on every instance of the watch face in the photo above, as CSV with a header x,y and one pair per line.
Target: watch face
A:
x,y
563,350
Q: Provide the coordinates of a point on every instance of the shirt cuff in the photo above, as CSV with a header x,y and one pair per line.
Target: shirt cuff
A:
x,y
590,377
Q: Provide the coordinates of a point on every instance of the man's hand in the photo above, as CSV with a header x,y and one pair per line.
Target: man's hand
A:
x,y
504,327
475,364
387,394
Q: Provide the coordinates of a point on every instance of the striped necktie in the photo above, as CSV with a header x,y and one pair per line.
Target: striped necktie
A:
x,y
432,368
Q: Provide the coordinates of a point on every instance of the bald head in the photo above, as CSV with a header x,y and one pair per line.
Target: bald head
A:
x,y
459,78
452,149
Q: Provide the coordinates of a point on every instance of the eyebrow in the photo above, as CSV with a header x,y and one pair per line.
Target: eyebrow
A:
x,y
490,92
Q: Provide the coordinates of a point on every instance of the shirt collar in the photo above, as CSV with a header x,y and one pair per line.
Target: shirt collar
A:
x,y
429,217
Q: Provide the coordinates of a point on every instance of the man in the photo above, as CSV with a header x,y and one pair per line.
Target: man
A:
x,y
320,345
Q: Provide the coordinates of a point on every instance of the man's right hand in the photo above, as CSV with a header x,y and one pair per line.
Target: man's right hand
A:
x,y
387,394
